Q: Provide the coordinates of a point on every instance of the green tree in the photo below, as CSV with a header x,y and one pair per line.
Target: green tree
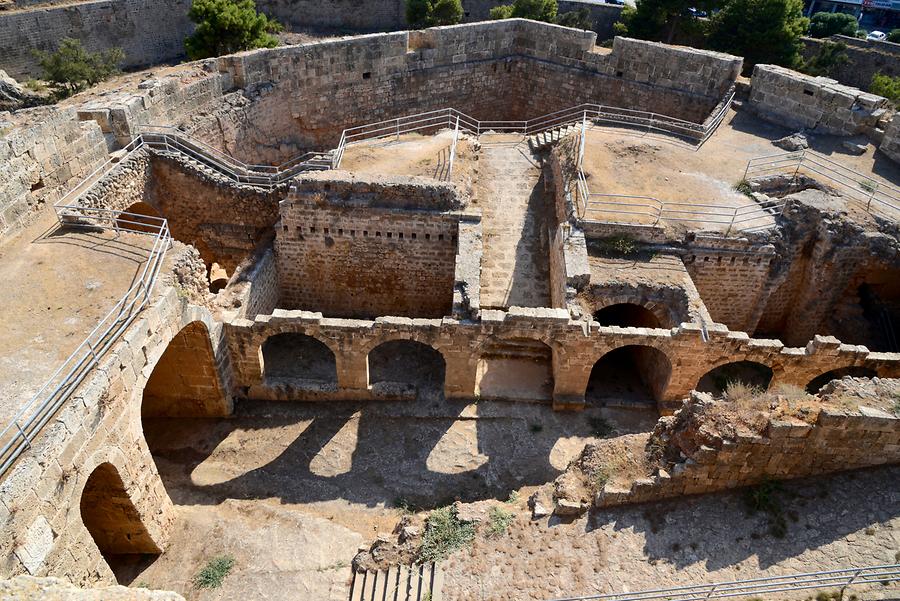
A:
x,y
417,13
446,12
73,68
226,26
762,31
666,20
537,10
823,25
894,36
831,56
579,19
887,86
503,11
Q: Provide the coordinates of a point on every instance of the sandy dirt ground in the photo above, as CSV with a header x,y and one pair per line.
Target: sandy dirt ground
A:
x,y
413,154
292,495
636,164
292,490
59,285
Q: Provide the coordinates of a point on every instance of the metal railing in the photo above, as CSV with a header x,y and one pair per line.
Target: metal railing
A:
x,y
596,114
756,587
20,433
874,196
267,176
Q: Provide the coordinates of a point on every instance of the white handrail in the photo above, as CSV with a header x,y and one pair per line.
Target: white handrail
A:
x,y
753,587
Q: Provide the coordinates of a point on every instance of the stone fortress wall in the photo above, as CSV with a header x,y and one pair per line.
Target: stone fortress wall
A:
x,y
865,59
152,32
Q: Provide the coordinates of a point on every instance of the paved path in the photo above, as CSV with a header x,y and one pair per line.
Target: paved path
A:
x,y
510,192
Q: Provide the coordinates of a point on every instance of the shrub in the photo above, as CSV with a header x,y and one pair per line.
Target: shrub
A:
x,y
73,68
504,11
887,86
894,36
578,19
226,26
215,572
444,534
446,12
429,13
823,25
499,521
832,56
537,10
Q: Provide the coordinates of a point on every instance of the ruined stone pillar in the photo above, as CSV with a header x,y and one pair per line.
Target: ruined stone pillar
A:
x,y
352,370
460,375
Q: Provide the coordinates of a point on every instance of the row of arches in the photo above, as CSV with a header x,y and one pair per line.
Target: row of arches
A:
x,y
633,373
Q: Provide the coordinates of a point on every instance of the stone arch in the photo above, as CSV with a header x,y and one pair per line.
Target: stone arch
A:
x,y
185,381
631,374
401,365
112,520
142,218
628,315
750,373
857,371
293,357
515,369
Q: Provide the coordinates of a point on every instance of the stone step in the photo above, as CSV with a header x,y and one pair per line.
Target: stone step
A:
x,y
398,583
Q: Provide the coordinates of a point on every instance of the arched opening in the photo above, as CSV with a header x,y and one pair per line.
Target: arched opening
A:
x,y
627,315
748,374
631,374
185,381
515,369
402,366
114,523
298,360
141,217
816,384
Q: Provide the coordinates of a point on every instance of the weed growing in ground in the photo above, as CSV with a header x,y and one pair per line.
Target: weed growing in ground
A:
x,y
444,534
535,428
617,246
743,187
513,498
868,185
765,497
600,427
338,565
403,505
214,573
499,521
599,478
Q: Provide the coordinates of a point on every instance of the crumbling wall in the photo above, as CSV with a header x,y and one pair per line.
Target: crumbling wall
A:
x,y
708,447
364,248
890,144
865,58
57,589
42,155
816,104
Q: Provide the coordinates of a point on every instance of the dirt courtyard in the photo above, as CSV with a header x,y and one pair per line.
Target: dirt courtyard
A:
x,y
292,492
316,484
61,283
649,168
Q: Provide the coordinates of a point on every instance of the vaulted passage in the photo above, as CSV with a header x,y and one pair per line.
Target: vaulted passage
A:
x,y
816,384
738,373
627,315
141,217
114,523
404,365
185,381
297,359
631,374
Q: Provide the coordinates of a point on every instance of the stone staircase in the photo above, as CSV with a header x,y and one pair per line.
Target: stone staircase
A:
x,y
399,583
548,138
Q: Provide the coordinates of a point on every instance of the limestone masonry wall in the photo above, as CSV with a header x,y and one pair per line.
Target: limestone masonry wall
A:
x,y
890,145
784,448
335,258
39,163
149,31
310,93
865,59
813,103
